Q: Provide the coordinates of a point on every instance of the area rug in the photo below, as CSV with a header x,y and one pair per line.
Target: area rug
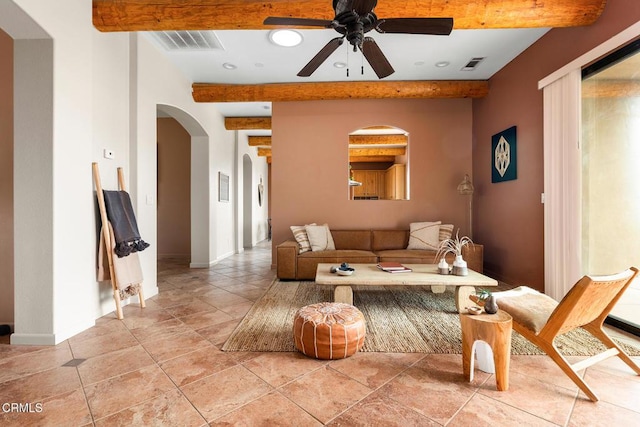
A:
x,y
399,319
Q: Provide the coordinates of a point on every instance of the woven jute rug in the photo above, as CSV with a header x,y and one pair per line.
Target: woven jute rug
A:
x,y
399,319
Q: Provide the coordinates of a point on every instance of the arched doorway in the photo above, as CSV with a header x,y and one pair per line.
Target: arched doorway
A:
x,y
199,185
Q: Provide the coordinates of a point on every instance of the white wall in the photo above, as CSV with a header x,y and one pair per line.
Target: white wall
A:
x,y
55,239
159,82
99,91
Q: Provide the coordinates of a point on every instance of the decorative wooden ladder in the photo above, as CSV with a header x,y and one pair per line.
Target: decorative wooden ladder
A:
x,y
107,238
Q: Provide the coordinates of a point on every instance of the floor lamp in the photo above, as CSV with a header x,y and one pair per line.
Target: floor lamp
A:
x,y
465,188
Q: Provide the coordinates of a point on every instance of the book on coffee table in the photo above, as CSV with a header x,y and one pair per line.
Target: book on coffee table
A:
x,y
393,267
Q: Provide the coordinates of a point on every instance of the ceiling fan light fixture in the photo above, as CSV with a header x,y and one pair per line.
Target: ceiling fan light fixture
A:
x,y
285,38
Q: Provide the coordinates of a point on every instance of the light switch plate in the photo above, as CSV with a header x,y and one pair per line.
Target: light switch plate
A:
x,y
109,154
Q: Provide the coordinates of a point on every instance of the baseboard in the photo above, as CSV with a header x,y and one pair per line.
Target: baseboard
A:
x,y
202,264
50,339
223,256
33,339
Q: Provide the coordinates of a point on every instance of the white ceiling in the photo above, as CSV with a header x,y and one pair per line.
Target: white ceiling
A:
x,y
412,56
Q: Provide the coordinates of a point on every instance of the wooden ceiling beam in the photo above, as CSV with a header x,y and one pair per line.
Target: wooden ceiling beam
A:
x,y
398,140
372,159
377,140
275,92
159,15
247,123
368,152
259,141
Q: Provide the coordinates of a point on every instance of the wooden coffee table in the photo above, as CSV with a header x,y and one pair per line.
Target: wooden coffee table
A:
x,y
422,275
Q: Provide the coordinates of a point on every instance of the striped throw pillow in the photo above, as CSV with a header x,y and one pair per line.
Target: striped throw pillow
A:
x,y
300,234
446,231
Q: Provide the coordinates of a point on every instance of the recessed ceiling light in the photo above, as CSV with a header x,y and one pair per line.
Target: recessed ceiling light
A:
x,y
418,63
259,64
442,64
229,66
286,38
339,64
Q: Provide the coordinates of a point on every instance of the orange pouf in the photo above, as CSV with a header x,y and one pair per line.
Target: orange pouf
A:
x,y
329,330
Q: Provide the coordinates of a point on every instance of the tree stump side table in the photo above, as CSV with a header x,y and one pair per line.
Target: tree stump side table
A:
x,y
495,330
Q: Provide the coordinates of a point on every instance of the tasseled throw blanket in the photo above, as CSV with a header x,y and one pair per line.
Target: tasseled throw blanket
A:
x,y
123,220
126,269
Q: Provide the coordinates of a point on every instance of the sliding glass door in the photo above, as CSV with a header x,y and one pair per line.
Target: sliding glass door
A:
x,y
611,173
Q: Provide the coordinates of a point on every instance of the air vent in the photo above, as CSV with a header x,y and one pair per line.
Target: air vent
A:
x,y
472,64
188,40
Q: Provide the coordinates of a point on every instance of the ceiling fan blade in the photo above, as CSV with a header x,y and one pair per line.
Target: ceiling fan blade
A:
x,y
320,57
376,58
301,22
434,26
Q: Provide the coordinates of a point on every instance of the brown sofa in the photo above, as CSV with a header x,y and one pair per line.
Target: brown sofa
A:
x,y
362,246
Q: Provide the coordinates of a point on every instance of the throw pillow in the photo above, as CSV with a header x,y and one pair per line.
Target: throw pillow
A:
x,y
320,237
446,231
424,235
300,234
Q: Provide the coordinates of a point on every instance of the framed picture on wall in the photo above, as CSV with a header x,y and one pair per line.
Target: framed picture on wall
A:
x,y
223,187
504,156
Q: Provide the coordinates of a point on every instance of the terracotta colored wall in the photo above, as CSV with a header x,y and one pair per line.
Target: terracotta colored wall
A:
x,y
6,178
508,217
310,163
174,189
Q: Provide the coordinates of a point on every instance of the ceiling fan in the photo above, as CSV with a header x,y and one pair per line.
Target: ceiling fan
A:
x,y
353,19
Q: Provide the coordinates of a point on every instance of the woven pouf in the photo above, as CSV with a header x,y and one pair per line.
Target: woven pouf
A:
x,y
329,330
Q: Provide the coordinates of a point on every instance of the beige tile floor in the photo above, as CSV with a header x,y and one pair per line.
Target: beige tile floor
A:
x,y
163,366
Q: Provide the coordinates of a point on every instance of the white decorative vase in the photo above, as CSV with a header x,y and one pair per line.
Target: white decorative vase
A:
x,y
460,266
443,267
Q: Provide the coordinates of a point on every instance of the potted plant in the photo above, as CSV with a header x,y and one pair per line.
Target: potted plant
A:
x,y
454,246
484,298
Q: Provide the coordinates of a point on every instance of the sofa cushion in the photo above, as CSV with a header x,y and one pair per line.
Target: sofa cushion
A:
x,y
335,255
389,239
308,261
320,237
424,235
352,239
408,256
300,234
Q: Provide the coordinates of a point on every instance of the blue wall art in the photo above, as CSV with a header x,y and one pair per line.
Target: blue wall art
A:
x,y
504,156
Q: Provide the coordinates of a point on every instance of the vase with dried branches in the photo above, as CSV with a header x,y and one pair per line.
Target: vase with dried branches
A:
x,y
454,246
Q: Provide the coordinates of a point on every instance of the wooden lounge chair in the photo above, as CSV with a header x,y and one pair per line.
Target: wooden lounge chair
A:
x,y
540,319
